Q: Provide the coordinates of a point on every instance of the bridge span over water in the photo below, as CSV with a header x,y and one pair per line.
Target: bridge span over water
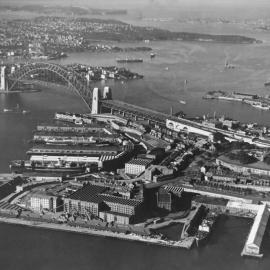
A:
x,y
83,88
74,80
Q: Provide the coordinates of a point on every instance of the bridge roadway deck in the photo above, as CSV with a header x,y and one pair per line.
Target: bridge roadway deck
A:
x,y
136,110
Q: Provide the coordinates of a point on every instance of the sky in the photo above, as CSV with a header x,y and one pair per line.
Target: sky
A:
x,y
243,9
135,3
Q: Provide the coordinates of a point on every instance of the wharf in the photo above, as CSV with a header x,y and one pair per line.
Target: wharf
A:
x,y
186,243
5,177
253,243
74,149
19,91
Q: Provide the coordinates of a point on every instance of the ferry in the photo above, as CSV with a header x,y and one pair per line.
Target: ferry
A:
x,y
205,228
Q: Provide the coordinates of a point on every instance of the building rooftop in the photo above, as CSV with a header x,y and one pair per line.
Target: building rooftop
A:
x,y
88,193
173,189
257,230
139,161
119,200
41,194
95,194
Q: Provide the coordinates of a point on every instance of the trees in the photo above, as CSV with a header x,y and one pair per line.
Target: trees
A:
x,y
242,156
219,137
267,159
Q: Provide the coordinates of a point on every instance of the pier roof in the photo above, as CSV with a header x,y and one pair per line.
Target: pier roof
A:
x,y
257,231
100,133
75,147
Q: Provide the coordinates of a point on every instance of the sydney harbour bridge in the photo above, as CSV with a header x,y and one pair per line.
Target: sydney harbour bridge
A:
x,y
78,83
50,72
83,88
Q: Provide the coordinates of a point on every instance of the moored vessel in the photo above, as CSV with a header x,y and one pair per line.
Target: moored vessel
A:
x,y
130,60
205,228
20,166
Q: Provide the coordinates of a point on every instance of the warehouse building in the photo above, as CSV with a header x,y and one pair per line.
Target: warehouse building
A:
x,y
40,201
137,166
93,200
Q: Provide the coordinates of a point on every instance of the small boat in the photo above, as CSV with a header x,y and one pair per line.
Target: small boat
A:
x,y
7,110
25,111
166,68
260,106
182,102
152,55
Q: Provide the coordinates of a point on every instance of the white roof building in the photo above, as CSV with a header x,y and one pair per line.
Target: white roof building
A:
x,y
255,237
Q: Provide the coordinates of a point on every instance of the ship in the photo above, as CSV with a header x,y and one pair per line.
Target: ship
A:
x,y
205,228
20,166
152,55
130,60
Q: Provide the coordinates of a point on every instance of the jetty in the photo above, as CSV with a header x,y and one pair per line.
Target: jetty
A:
x,y
253,244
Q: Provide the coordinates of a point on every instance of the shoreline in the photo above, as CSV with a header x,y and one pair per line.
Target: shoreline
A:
x,y
186,243
19,91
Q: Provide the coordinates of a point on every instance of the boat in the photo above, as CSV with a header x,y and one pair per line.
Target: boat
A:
x,y
152,55
205,228
7,110
130,60
20,166
261,106
182,102
25,111
267,84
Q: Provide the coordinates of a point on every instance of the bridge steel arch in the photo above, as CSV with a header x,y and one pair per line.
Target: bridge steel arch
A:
x,y
74,79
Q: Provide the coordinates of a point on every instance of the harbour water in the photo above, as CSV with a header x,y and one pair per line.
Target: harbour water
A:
x,y
202,65
30,248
